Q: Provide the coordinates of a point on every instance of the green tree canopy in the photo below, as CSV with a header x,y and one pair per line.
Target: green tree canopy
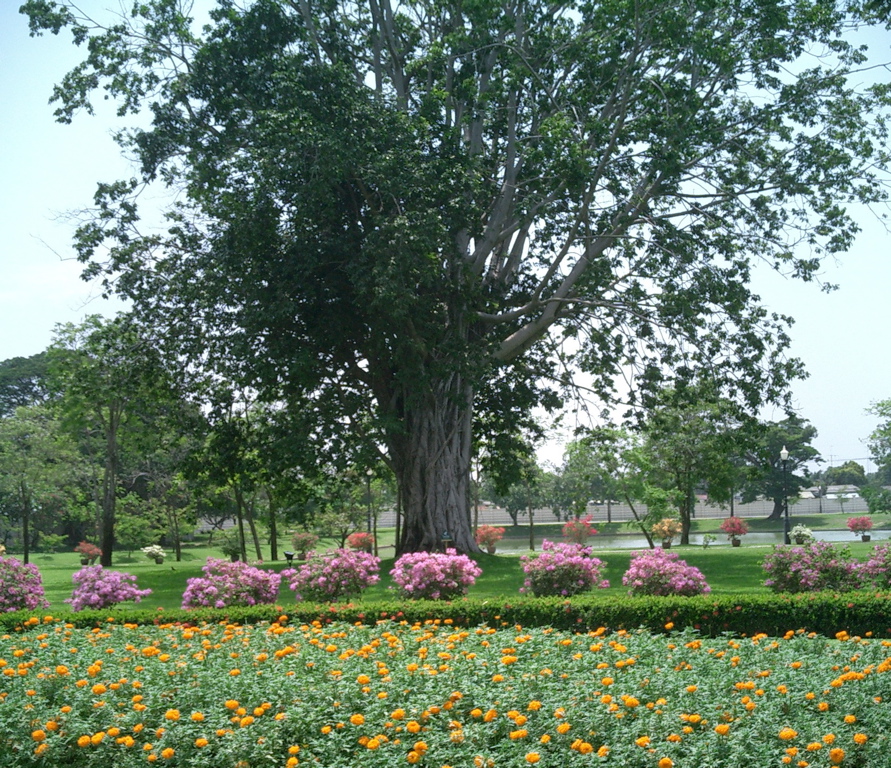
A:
x,y
388,216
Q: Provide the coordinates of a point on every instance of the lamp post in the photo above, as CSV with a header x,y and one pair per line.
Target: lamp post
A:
x,y
369,473
784,457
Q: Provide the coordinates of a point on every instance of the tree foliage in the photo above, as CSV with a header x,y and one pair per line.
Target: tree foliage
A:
x,y
387,216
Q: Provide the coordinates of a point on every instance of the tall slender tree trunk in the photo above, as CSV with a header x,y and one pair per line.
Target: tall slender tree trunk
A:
x,y
431,456
109,488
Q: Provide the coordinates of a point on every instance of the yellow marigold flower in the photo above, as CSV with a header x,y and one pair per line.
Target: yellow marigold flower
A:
x,y
84,741
413,757
168,753
823,706
666,762
723,729
420,746
836,755
520,733
534,705
38,735
532,757
231,704
787,734
200,743
292,762
814,746
603,751
643,741
850,719
357,719
490,716
326,729
172,714
545,738
363,679
372,744
61,670
860,738
97,738
413,726
829,738
563,728
197,717
98,689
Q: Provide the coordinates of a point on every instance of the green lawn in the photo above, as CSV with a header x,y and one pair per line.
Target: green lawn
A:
x,y
727,570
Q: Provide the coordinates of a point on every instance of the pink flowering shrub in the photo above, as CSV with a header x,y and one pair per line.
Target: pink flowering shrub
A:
x,y
878,568
562,568
812,567
21,587
225,584
360,540
578,531
96,587
434,575
860,525
333,575
734,527
659,572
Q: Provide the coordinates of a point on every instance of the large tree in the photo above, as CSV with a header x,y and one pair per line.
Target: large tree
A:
x,y
388,216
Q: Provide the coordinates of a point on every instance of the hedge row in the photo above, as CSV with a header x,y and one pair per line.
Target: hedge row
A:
x,y
859,613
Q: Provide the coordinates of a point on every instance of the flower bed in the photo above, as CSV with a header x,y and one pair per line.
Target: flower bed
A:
x,y
392,694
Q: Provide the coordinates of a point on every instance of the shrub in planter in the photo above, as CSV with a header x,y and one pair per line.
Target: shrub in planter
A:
x,y
226,584
734,527
304,542
89,553
801,534
657,572
562,569
860,526
154,552
434,575
666,529
812,567
333,575
21,587
96,587
578,531
360,540
488,536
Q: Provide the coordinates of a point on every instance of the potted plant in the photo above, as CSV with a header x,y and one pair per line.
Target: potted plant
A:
x,y
304,542
666,529
578,531
735,527
231,547
361,540
801,534
860,526
488,536
89,553
154,552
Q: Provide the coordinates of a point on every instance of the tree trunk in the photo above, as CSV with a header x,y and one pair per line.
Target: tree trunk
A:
x,y
273,525
109,491
26,522
431,456
777,513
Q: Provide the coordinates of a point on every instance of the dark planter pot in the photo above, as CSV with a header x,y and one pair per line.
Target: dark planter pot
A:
x,y
736,542
159,560
490,549
799,539
666,543
865,537
85,561
234,558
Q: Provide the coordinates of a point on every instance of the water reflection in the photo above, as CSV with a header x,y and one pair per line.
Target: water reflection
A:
x,y
633,541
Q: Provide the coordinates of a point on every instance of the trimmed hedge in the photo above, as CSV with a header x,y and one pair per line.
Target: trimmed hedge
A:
x,y
857,613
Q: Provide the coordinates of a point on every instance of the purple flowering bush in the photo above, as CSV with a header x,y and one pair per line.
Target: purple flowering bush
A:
x,y
95,587
225,584
562,568
434,575
333,575
21,587
812,567
878,568
659,572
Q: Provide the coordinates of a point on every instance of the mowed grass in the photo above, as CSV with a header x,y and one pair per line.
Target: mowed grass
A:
x,y
728,570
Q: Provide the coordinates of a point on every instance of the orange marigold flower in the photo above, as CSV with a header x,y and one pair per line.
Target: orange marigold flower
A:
x,y
666,762
787,734
168,753
413,757
850,719
836,755
723,729
200,743
532,757
172,714
357,719
643,741
860,738
38,735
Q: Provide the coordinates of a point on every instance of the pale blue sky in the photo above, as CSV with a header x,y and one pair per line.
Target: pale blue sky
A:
x,y
48,169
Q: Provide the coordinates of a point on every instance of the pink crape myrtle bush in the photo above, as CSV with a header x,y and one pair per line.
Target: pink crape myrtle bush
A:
x,y
96,587
434,575
225,584
878,568
333,575
812,567
859,525
21,587
562,568
659,572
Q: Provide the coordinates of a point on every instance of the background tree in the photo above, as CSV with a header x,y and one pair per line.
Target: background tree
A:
x,y
849,473
879,440
109,379
764,477
22,382
378,212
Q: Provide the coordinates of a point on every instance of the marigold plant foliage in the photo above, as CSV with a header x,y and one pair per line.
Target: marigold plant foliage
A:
x,y
812,567
434,575
340,573
21,586
226,584
562,569
388,694
96,587
658,572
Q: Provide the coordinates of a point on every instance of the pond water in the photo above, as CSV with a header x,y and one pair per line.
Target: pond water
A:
x,y
633,541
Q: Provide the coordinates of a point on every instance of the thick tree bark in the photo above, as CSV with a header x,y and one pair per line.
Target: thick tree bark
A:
x,y
431,455
777,513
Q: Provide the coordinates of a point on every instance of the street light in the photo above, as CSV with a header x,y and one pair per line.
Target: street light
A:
x,y
289,556
784,457
369,473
